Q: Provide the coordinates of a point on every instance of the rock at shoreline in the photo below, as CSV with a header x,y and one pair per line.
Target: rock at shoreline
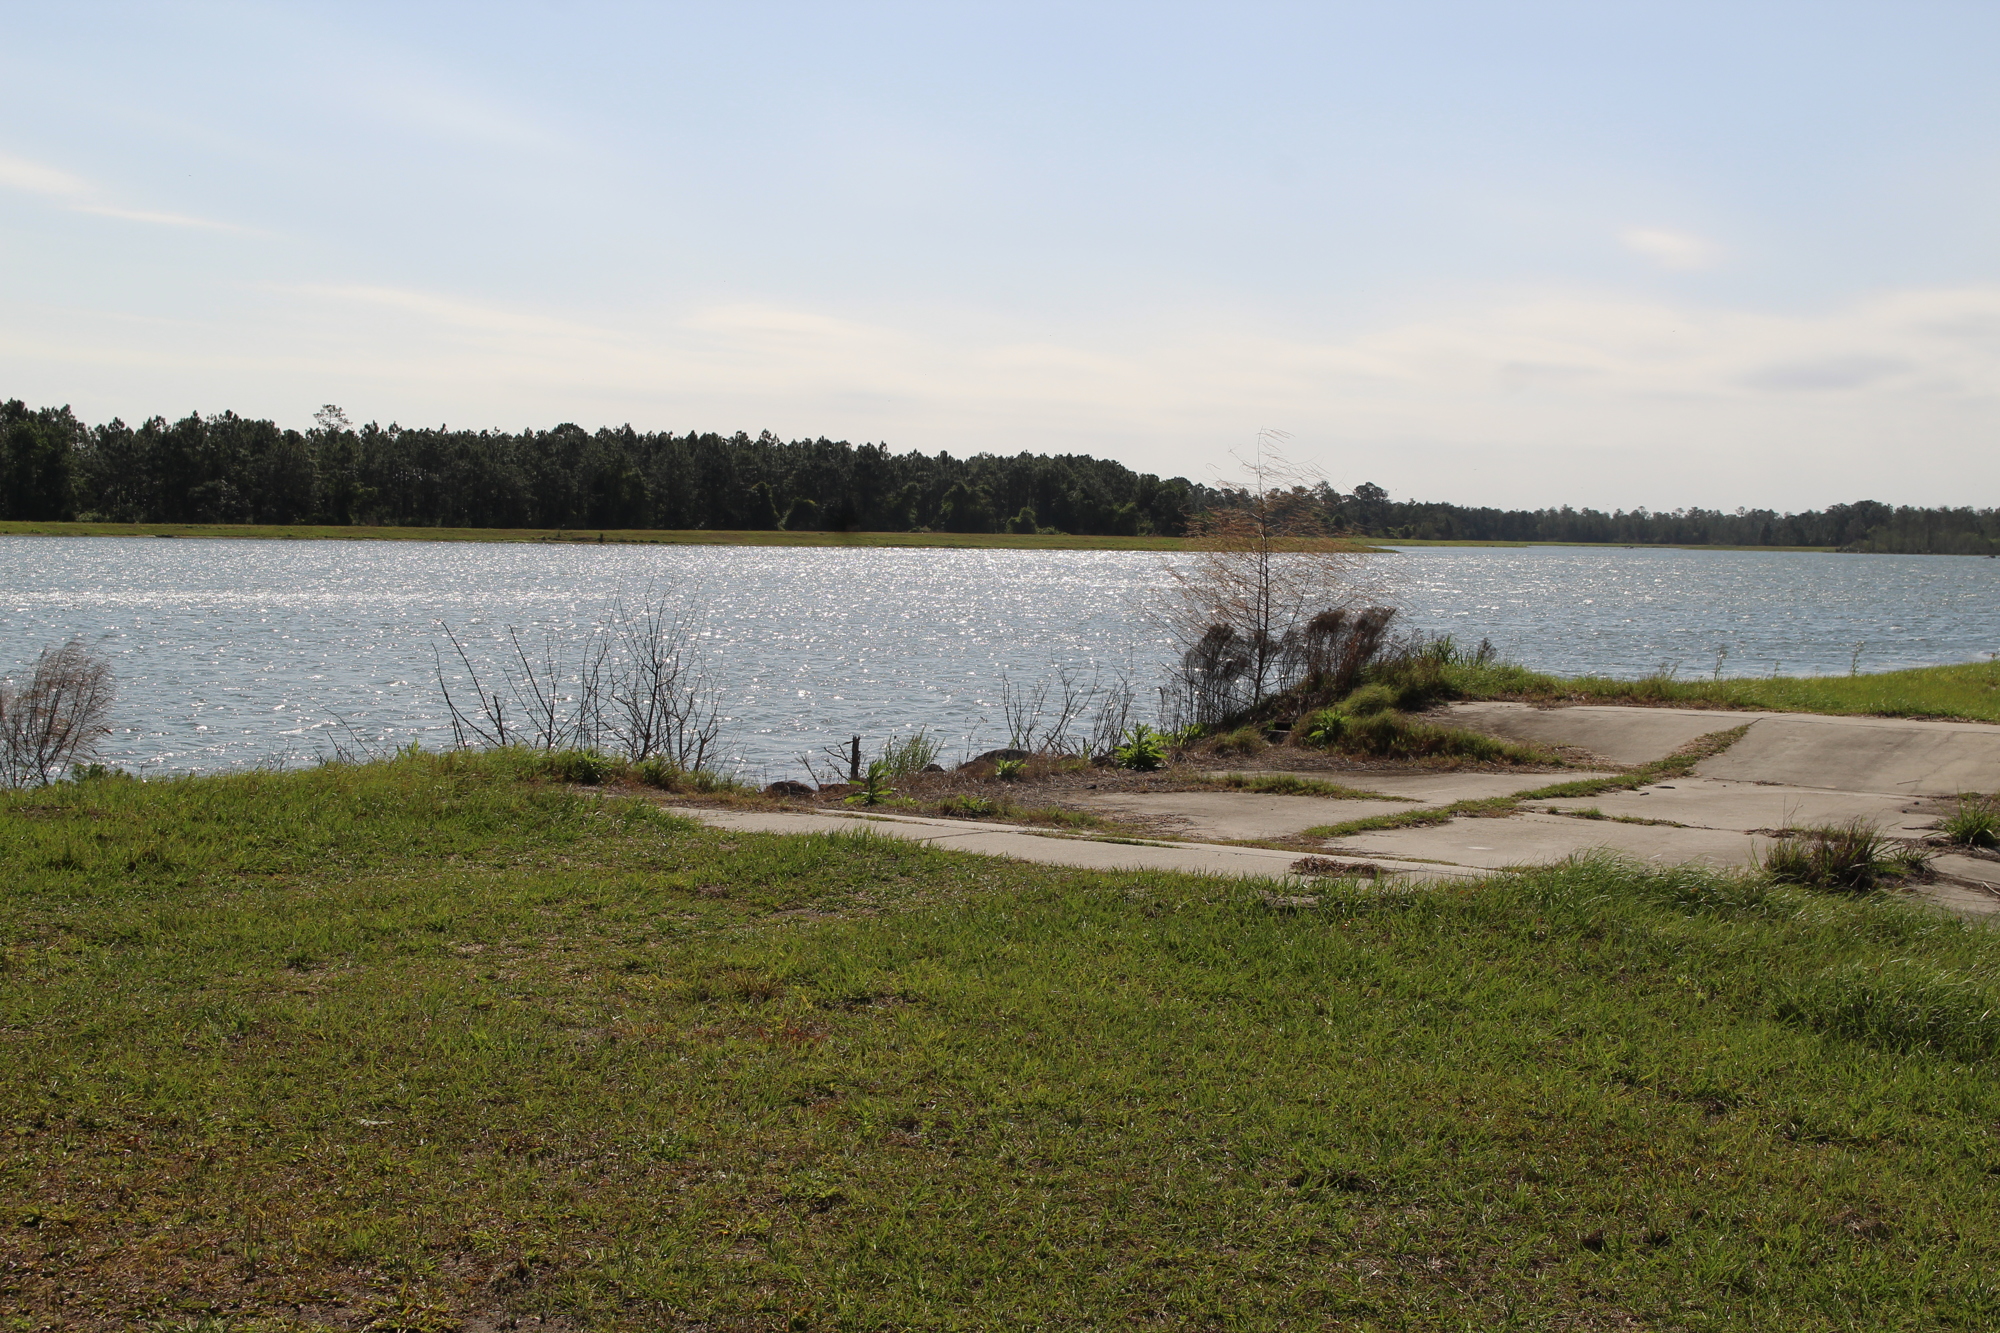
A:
x,y
788,788
992,756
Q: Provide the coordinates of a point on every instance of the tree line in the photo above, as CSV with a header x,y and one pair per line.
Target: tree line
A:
x,y
226,468
1865,525
231,469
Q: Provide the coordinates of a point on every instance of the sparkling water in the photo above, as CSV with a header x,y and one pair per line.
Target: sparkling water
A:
x,y
244,653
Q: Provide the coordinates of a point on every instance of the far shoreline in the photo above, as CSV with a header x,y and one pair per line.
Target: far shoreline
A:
x,y
992,541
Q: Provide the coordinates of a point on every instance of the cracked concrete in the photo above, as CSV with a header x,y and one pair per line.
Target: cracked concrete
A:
x,y
1788,770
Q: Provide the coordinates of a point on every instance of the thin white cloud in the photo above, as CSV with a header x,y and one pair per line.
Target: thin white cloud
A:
x,y
157,218
1669,249
17,173
79,196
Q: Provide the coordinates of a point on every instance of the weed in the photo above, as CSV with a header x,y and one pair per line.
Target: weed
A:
x,y
1853,857
1394,735
875,787
1371,700
669,776
1010,770
1143,749
1323,728
1976,822
586,768
1243,741
966,805
1290,784
918,752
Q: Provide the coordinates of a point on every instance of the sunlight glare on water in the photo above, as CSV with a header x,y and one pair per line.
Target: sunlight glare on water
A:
x,y
241,653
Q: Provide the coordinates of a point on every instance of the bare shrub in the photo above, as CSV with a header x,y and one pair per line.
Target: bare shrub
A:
x,y
1069,713
56,720
663,703
633,686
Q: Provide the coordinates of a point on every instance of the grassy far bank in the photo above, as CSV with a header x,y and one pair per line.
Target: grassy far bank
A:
x,y
431,1041
719,537
1968,691
646,537
1626,546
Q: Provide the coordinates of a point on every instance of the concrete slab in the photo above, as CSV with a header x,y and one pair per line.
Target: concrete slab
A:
x,y
1021,845
1626,736
1226,815
1956,898
1492,844
1973,868
1870,754
1715,804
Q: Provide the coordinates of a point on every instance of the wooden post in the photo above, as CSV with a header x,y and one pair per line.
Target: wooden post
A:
x,y
854,760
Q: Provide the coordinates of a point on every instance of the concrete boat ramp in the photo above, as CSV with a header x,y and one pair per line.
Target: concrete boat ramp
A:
x,y
1788,770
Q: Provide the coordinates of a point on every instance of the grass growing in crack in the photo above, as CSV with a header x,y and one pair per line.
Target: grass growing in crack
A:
x,y
1976,822
1290,784
447,1042
1678,764
1592,812
1852,857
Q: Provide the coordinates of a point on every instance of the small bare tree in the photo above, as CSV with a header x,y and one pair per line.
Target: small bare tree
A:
x,y
1261,574
57,719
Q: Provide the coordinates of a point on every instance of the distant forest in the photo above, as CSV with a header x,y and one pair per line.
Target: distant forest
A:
x,y
231,469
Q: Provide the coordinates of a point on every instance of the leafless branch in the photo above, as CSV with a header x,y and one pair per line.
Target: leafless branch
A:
x,y
57,719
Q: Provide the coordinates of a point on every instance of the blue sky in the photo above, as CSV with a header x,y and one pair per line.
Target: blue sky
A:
x,y
1596,253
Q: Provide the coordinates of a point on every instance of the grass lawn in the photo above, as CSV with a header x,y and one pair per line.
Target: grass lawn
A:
x,y
1969,691
427,1044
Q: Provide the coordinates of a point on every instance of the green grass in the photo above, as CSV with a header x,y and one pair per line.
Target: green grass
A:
x,y
1290,784
1678,764
574,536
1969,691
414,1043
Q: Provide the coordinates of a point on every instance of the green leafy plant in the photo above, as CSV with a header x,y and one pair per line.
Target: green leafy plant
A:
x,y
1323,728
1143,749
1976,822
875,787
1010,770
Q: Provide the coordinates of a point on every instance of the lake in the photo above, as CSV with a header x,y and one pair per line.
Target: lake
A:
x,y
244,653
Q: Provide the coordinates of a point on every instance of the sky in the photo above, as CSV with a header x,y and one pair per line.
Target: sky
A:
x,y
1604,253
